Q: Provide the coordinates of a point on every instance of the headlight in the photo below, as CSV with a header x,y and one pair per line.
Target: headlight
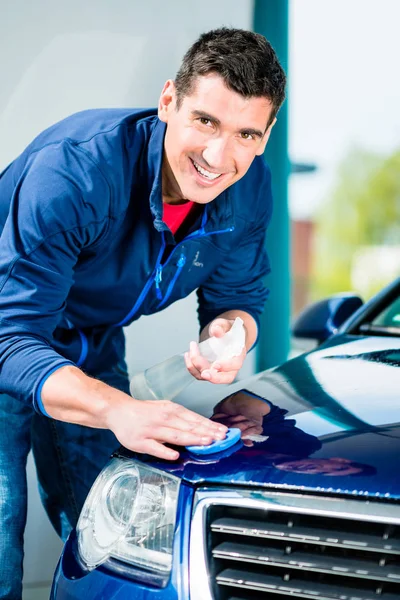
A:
x,y
129,515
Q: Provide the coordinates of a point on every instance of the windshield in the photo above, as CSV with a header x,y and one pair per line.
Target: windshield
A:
x,y
386,321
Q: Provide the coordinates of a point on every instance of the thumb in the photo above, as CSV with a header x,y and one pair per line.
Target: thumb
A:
x,y
219,327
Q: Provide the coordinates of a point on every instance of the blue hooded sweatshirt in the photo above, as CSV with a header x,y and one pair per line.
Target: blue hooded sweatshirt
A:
x,y
84,250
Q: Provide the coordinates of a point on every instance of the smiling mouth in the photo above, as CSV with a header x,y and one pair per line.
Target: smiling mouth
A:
x,y
207,174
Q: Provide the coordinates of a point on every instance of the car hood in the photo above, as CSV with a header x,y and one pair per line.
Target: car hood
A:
x,y
345,401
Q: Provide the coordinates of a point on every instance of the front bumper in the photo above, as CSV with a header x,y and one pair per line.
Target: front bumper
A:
x,y
69,584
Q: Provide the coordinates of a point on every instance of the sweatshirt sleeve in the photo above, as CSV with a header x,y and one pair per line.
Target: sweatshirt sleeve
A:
x,y
54,213
238,283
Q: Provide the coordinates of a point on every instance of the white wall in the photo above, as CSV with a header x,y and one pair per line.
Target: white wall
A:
x,y
60,57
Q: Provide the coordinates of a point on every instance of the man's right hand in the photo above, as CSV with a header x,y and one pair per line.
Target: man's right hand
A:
x,y
145,425
139,425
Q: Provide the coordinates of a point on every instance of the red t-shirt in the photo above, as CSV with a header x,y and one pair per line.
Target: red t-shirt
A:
x,y
175,214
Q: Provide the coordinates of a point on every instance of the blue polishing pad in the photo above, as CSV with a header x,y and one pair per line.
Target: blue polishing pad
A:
x,y
233,435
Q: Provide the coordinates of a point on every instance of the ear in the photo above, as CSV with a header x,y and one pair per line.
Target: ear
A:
x,y
265,139
167,101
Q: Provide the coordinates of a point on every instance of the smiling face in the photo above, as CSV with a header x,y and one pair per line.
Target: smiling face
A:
x,y
211,140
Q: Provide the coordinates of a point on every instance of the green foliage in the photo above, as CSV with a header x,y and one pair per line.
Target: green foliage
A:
x,y
363,210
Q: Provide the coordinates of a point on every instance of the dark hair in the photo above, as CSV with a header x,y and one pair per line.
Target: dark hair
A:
x,y
245,60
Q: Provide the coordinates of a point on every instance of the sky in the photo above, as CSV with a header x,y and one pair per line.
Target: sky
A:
x,y
344,88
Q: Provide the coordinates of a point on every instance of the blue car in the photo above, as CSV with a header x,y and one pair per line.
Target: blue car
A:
x,y
305,503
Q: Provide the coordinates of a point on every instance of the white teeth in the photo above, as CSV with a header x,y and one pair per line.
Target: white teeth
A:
x,y
206,173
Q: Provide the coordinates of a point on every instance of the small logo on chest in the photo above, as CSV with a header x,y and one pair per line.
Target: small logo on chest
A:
x,y
196,262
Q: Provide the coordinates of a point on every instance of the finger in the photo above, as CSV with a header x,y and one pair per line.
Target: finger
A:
x,y
219,327
245,427
235,421
190,366
239,419
239,422
224,415
226,420
218,377
218,416
217,330
181,438
209,428
248,443
197,360
253,430
156,449
233,364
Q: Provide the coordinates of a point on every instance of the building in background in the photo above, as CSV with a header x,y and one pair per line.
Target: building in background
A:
x,y
344,118
301,263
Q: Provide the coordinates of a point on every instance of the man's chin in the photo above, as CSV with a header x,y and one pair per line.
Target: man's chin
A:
x,y
202,196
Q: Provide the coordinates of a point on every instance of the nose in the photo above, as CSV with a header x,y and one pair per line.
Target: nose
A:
x,y
217,153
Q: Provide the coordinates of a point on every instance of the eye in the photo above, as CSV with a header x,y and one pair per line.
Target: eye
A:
x,y
245,135
205,121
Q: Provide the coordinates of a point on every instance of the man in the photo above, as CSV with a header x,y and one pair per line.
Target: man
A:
x,y
109,215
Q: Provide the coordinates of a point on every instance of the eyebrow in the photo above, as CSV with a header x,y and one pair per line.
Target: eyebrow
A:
x,y
203,115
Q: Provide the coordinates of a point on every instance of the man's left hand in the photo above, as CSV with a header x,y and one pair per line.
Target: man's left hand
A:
x,y
222,371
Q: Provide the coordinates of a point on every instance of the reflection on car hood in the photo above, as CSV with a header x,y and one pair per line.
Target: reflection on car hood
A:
x,y
346,397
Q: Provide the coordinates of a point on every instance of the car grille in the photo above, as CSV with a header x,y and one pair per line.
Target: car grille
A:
x,y
269,554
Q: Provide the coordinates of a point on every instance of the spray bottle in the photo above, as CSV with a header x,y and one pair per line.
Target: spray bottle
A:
x,y
167,379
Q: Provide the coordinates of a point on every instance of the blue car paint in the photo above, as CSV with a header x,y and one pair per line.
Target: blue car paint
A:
x,y
364,441
343,395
